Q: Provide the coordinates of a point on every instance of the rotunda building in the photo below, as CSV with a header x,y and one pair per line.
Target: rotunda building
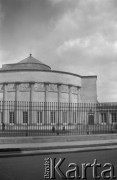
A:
x,y
32,80
27,86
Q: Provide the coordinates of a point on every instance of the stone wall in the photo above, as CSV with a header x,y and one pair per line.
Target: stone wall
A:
x,y
38,86
40,76
39,92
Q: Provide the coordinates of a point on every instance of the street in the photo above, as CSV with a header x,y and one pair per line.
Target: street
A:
x,y
32,167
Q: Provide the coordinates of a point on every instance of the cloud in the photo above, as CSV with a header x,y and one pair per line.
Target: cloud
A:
x,y
93,46
57,1
29,23
77,36
93,55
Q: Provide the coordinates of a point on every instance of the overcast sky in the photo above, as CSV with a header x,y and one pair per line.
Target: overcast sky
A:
x,y
78,36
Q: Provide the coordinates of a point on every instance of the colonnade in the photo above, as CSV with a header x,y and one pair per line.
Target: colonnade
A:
x,y
31,86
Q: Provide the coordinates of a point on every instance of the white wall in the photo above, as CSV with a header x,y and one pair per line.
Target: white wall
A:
x,y
39,76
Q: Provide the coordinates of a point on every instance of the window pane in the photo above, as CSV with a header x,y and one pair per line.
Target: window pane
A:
x,y
11,117
114,117
1,117
25,117
40,117
91,119
103,117
52,116
64,117
74,117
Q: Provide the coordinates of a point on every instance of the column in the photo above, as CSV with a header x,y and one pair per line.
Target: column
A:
x,y
78,96
31,102
16,104
4,120
59,93
70,94
70,105
46,91
45,103
78,109
59,100
108,117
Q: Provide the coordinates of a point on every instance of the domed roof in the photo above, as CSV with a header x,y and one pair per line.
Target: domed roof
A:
x,y
29,63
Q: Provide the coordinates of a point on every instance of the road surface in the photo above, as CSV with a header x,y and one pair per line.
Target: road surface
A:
x,y
32,167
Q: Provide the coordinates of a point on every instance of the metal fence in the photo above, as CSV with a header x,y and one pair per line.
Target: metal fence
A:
x,y
51,118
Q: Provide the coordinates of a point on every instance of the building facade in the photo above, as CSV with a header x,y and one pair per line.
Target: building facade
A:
x,y
30,81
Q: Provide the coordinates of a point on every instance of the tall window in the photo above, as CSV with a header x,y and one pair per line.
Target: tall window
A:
x,y
114,117
40,117
11,117
52,117
64,117
91,119
103,118
25,117
74,117
1,117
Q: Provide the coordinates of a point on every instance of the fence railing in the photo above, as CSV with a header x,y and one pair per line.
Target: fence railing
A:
x,y
51,118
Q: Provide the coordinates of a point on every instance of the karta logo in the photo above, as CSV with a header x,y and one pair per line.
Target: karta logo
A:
x,y
53,169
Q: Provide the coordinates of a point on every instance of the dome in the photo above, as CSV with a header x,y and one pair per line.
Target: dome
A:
x,y
29,63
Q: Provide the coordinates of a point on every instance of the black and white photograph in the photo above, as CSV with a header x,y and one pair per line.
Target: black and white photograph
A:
x,y
58,89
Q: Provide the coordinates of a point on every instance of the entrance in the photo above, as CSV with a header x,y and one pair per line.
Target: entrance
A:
x,y
91,119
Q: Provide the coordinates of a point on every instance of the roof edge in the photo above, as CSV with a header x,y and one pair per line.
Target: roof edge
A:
x,y
21,63
63,72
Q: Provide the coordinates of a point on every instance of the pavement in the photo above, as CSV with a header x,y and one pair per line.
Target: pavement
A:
x,y
19,146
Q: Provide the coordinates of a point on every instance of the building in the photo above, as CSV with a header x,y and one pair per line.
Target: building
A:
x,y
29,88
32,80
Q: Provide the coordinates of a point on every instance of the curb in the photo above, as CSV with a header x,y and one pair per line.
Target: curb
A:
x,y
15,152
17,149
21,153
